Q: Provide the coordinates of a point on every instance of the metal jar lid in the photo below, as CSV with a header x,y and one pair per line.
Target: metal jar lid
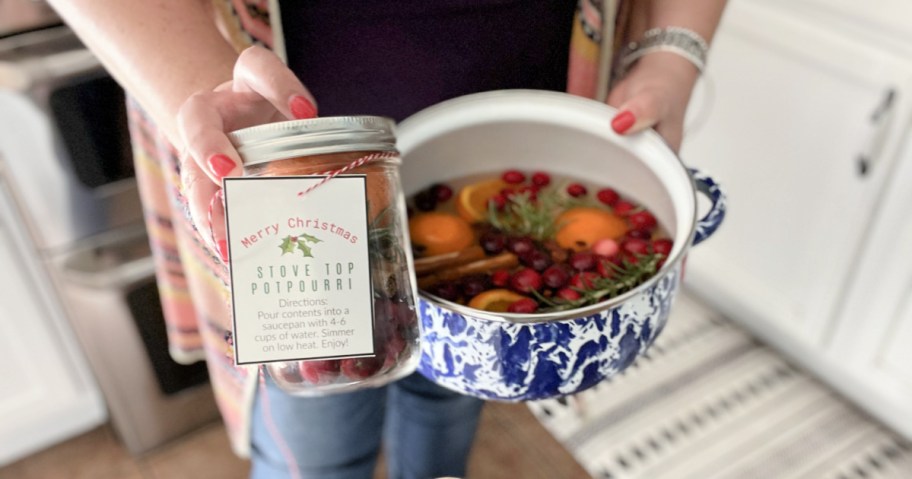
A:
x,y
289,139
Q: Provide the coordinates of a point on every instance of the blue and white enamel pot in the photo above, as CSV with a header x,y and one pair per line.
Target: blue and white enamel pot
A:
x,y
519,357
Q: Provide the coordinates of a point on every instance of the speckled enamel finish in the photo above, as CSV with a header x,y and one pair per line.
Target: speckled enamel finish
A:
x,y
519,362
516,358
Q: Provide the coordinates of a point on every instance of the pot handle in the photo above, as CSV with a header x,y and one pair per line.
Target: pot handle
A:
x,y
708,224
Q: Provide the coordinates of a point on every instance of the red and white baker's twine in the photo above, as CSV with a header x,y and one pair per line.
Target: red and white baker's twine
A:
x,y
328,175
355,164
220,197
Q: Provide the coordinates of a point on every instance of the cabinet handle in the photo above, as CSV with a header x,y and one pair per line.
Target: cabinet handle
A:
x,y
880,122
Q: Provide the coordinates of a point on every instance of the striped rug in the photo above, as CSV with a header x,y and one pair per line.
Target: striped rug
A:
x,y
710,401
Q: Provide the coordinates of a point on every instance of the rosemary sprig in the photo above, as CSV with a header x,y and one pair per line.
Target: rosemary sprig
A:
x,y
523,216
628,275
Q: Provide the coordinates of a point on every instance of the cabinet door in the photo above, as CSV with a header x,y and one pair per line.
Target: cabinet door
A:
x,y
46,394
786,110
873,340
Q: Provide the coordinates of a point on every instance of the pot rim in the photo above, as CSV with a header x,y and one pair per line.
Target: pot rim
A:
x,y
649,135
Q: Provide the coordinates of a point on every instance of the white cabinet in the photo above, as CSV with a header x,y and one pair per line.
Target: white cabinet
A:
x,y
873,340
46,393
789,113
796,95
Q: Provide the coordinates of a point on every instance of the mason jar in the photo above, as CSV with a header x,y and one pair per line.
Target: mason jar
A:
x,y
323,287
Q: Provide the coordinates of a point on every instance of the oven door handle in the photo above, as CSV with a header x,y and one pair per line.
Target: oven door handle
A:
x,y
21,76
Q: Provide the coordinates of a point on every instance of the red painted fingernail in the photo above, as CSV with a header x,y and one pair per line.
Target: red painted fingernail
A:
x,y
221,165
302,108
623,121
223,250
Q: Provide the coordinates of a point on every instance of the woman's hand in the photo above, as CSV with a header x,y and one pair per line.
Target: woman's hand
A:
x,y
262,90
654,93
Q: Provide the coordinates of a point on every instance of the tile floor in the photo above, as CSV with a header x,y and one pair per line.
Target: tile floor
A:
x,y
511,443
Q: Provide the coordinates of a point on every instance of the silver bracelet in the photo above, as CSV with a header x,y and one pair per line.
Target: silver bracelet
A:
x,y
678,40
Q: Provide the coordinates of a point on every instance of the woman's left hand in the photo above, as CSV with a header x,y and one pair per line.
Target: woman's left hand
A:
x,y
654,94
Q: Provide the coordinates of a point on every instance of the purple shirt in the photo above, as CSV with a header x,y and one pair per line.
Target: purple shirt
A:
x,y
395,57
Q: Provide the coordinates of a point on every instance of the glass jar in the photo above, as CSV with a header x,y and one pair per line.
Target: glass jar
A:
x,y
328,278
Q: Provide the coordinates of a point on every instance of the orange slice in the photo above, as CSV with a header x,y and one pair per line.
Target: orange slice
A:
x,y
472,200
440,233
495,300
582,226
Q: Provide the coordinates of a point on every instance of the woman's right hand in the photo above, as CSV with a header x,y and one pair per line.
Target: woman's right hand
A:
x,y
262,90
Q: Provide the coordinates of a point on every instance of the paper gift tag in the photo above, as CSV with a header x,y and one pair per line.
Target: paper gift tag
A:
x,y
300,268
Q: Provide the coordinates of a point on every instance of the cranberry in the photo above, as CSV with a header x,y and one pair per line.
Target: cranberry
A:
x,y
536,259
474,285
608,196
361,368
623,208
447,290
584,280
642,220
541,179
568,294
402,313
635,246
320,370
442,192
498,201
640,234
291,373
576,190
507,193
582,261
606,267
500,278
662,246
524,306
394,348
520,246
493,242
514,177
605,247
556,276
526,280
425,201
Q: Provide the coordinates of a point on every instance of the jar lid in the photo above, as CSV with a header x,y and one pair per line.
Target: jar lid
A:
x,y
334,134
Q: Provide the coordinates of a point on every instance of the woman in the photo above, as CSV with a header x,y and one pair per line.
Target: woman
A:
x,y
191,77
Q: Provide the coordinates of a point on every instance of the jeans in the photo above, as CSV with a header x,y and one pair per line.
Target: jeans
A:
x,y
426,432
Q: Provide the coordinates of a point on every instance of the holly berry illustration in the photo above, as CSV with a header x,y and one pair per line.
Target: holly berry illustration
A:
x,y
302,242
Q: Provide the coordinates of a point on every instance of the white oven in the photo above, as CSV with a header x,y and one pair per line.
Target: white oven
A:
x,y
66,172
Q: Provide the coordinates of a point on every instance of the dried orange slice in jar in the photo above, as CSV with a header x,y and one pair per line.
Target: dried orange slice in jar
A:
x,y
495,300
472,200
581,227
440,233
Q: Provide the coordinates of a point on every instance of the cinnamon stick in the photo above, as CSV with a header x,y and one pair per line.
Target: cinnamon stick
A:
x,y
501,261
432,264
